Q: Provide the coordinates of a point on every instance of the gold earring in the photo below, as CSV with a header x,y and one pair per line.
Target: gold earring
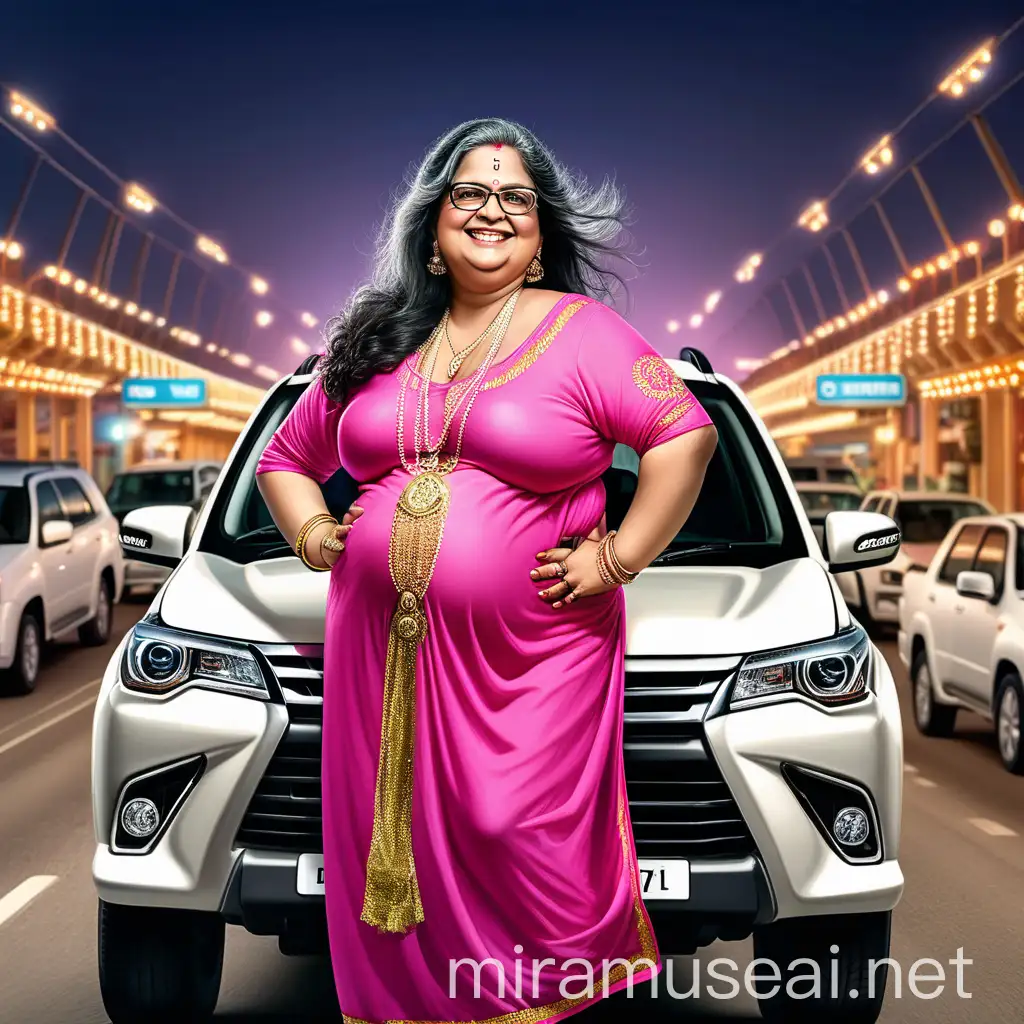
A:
x,y
534,272
435,264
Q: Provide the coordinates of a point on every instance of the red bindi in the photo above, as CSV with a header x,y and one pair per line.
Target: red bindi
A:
x,y
497,145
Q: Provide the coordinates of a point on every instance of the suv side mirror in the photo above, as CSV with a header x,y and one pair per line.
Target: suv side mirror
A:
x,y
57,531
158,534
858,540
976,584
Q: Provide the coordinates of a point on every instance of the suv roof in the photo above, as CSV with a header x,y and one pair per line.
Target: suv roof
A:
x,y
19,470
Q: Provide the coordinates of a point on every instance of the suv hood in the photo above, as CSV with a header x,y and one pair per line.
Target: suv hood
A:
x,y
674,610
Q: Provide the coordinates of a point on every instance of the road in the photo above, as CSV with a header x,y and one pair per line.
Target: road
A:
x,y
963,857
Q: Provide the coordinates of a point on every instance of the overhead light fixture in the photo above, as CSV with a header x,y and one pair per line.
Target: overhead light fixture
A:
x,y
138,198
878,157
258,285
31,113
208,247
969,71
814,217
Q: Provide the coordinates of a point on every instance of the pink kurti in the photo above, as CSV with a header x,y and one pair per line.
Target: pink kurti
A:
x,y
520,826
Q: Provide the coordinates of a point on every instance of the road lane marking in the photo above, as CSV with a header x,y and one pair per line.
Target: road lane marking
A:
x,y
991,828
924,783
11,744
49,707
21,896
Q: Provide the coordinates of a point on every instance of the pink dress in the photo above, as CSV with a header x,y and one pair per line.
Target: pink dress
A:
x,y
520,829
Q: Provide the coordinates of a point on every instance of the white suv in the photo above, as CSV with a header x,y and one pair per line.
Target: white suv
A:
x,y
763,742
61,566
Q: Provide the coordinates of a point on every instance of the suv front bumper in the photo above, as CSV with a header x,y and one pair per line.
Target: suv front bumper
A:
x,y
773,863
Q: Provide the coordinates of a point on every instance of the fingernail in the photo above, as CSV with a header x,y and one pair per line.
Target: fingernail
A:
x,y
534,573
543,554
557,604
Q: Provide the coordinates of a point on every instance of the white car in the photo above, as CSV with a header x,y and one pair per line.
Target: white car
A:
x,y
61,566
763,744
158,482
820,498
924,518
962,631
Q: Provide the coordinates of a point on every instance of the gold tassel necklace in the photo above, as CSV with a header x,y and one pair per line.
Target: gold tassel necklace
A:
x,y
391,902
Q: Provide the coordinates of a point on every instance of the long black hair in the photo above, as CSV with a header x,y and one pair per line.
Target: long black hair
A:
x,y
391,315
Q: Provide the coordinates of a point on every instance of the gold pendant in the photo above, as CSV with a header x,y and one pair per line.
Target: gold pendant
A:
x,y
391,902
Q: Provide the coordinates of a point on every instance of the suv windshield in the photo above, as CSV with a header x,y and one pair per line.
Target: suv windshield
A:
x,y
130,491
15,515
928,522
742,517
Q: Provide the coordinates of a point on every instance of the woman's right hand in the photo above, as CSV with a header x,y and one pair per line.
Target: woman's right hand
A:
x,y
339,533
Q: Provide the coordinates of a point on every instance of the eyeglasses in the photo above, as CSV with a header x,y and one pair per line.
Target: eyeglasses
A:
x,y
467,195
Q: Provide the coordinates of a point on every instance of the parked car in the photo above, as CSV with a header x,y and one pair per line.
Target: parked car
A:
x,y
962,631
163,482
819,499
924,518
61,566
821,469
763,742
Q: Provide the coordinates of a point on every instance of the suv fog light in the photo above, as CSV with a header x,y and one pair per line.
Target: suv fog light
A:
x,y
140,818
851,827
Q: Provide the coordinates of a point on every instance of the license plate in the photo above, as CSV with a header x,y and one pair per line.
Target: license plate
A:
x,y
665,879
310,878
659,879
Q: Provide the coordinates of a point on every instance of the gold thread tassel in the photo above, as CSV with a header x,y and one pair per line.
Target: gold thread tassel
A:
x,y
391,902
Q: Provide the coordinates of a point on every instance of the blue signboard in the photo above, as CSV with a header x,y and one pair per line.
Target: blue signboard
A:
x,y
164,392
862,390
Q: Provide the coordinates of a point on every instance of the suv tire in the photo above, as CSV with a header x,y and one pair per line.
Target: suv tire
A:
x,y
159,966
96,632
1009,702
931,718
20,679
859,988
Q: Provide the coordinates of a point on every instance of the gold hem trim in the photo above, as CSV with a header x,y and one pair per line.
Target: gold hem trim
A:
x,y
648,956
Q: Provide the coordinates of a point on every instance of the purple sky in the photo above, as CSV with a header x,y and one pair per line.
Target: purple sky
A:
x,y
283,129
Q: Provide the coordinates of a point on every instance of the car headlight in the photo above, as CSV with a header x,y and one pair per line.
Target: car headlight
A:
x,y
891,579
830,672
158,660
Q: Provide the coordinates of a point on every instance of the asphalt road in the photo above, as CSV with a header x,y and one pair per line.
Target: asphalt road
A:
x,y
962,854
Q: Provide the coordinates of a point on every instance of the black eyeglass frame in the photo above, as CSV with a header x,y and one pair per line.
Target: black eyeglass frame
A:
x,y
492,192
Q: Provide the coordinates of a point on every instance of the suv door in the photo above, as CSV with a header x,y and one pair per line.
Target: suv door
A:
x,y
83,569
56,560
946,621
976,622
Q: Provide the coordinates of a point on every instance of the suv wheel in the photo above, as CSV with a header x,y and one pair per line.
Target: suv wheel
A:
x,y
848,984
931,718
1009,698
96,632
159,966
20,679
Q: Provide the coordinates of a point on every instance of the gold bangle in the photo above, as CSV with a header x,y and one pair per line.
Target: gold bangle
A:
x,y
602,563
300,541
625,575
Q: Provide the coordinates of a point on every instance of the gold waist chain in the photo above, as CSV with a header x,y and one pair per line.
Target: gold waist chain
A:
x,y
392,899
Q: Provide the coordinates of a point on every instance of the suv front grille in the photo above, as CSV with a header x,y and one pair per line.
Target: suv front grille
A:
x,y
679,803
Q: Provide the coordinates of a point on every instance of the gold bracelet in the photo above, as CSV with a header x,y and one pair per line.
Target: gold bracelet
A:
x,y
602,563
624,574
300,541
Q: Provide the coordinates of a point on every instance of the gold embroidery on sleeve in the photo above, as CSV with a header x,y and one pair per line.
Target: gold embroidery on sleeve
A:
x,y
656,379
680,410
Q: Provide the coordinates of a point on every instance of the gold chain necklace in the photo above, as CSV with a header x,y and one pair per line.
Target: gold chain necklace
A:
x,y
458,358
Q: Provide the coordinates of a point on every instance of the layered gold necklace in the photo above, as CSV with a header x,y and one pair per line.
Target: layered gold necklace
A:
x,y
391,901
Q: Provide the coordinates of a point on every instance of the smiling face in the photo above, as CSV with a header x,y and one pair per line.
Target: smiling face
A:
x,y
488,249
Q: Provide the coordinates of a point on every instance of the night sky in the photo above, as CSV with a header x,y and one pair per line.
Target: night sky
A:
x,y
282,129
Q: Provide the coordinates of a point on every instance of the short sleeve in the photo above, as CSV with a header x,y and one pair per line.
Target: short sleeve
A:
x,y
630,393
306,442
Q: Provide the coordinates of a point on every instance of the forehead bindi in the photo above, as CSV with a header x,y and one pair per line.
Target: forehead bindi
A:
x,y
495,165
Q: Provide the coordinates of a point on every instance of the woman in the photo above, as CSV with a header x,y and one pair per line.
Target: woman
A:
x,y
473,791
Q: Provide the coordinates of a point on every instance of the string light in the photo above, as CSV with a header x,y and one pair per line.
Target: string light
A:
x,y
696,320
969,72
208,247
25,109
672,326
258,285
995,376
748,268
11,249
309,320
997,228
299,347
712,301
264,318
878,157
814,217
138,198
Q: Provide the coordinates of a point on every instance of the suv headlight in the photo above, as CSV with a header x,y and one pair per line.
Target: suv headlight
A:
x,y
830,672
158,660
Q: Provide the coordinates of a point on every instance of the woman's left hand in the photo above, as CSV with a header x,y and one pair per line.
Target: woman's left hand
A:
x,y
580,579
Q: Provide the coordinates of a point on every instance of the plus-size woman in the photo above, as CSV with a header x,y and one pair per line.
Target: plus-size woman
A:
x,y
473,790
